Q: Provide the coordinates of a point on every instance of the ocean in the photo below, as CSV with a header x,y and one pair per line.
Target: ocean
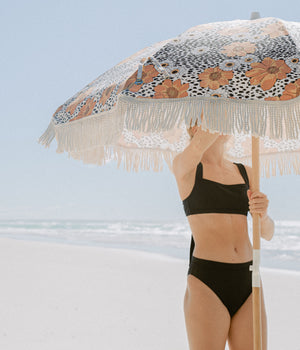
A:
x,y
168,238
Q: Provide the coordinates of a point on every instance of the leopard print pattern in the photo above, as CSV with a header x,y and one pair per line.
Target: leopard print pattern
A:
x,y
241,59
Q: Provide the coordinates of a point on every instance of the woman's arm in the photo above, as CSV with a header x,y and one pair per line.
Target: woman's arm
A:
x,y
267,227
258,203
189,158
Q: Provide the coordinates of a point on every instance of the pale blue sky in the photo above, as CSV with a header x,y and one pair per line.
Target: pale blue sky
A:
x,y
52,49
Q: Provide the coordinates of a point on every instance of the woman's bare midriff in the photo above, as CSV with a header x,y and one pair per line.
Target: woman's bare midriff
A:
x,y
221,237
218,236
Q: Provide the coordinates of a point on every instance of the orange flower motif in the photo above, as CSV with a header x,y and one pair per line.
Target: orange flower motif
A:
x,y
274,30
72,106
86,109
273,98
232,31
292,90
170,89
214,78
267,72
106,94
149,72
239,49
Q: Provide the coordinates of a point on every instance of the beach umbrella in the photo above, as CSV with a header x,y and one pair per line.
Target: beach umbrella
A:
x,y
244,75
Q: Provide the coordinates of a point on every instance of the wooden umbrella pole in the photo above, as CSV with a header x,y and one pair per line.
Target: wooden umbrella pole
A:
x,y
256,301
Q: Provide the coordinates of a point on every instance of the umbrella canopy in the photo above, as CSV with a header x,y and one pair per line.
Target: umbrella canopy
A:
x,y
243,74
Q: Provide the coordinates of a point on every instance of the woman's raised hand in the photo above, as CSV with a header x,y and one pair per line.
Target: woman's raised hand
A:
x,y
203,139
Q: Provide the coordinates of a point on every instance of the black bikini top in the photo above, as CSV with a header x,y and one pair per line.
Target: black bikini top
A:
x,y
208,196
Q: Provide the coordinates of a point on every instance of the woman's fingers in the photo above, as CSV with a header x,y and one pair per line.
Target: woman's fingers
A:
x,y
257,194
258,205
259,201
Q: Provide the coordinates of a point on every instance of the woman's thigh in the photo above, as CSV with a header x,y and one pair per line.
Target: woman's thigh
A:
x,y
207,319
241,329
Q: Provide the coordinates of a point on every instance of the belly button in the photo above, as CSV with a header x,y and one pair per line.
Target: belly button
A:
x,y
235,250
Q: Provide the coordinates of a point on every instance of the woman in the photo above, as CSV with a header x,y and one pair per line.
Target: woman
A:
x,y
217,195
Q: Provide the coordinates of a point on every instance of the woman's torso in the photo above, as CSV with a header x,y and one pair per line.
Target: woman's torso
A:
x,y
218,236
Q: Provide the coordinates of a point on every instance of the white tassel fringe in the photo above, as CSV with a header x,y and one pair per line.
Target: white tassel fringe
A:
x,y
94,139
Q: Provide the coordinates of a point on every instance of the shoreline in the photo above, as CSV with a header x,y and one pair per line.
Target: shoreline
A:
x,y
73,296
130,249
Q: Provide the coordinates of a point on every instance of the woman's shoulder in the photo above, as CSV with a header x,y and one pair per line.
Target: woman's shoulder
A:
x,y
186,162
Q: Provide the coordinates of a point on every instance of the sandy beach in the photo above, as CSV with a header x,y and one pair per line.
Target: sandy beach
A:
x,y
61,297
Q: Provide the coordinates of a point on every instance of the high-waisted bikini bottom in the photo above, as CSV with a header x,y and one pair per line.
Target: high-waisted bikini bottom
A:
x,y
231,282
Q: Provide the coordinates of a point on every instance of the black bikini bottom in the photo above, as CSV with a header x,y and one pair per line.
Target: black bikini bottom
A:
x,y
231,282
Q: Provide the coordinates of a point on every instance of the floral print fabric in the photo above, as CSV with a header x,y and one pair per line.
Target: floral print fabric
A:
x,y
241,60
